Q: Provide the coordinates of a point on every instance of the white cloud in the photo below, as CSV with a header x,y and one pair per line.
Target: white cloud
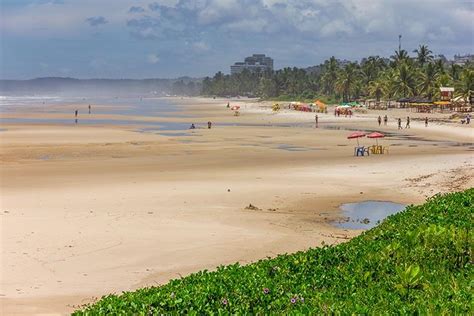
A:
x,y
287,29
336,27
200,47
59,18
153,58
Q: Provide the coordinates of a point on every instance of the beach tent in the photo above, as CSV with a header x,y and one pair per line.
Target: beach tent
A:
x,y
304,107
320,104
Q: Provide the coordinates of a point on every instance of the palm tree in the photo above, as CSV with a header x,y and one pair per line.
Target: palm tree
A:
x,y
400,57
465,86
428,84
404,81
454,71
389,80
424,55
439,64
371,68
330,75
267,88
377,88
346,83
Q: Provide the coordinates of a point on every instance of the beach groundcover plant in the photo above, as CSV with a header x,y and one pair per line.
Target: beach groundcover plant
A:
x,y
418,261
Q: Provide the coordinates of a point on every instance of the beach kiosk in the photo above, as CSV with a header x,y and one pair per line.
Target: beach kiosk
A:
x,y
446,93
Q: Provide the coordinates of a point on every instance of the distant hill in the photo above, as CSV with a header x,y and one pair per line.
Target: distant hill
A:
x,y
100,87
314,69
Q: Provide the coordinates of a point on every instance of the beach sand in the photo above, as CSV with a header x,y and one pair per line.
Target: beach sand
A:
x,y
88,210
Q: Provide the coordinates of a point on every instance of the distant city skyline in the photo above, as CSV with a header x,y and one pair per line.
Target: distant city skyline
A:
x,y
173,38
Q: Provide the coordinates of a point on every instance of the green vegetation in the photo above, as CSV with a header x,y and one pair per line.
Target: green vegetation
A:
x,y
374,77
417,261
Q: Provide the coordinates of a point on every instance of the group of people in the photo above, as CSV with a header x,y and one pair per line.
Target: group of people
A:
x,y
209,125
467,120
399,120
338,112
400,123
385,120
76,112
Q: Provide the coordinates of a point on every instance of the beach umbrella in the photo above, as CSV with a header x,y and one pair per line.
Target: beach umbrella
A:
x,y
376,135
235,108
356,135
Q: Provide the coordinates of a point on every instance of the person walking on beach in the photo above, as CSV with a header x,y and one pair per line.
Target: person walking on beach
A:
x,y
385,120
75,113
379,119
399,123
209,125
468,119
426,121
408,122
316,120
89,109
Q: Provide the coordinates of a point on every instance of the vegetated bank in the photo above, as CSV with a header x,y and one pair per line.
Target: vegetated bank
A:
x,y
417,261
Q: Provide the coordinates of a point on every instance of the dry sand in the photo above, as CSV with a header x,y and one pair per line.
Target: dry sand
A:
x,y
91,210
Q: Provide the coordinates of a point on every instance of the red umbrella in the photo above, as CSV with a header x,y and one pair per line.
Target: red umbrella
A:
x,y
376,135
356,135
235,107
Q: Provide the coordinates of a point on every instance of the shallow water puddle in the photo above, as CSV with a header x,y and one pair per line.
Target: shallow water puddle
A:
x,y
292,148
367,214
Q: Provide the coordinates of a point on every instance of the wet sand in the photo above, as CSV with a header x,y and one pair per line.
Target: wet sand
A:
x,y
98,208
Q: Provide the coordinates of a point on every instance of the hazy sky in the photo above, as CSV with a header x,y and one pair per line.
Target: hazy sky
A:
x,y
161,38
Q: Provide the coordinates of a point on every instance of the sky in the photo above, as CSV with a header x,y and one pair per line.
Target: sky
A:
x,y
173,38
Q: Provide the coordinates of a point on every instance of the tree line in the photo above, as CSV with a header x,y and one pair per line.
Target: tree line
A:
x,y
374,77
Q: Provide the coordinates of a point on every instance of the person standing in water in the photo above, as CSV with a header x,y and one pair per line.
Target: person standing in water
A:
x,y
209,125
89,109
385,120
316,120
399,123
75,113
408,122
426,121
379,120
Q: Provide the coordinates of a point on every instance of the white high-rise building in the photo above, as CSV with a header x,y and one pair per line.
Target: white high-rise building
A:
x,y
252,63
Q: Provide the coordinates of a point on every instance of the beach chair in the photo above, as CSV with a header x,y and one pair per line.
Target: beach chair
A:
x,y
385,149
361,151
374,149
377,149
